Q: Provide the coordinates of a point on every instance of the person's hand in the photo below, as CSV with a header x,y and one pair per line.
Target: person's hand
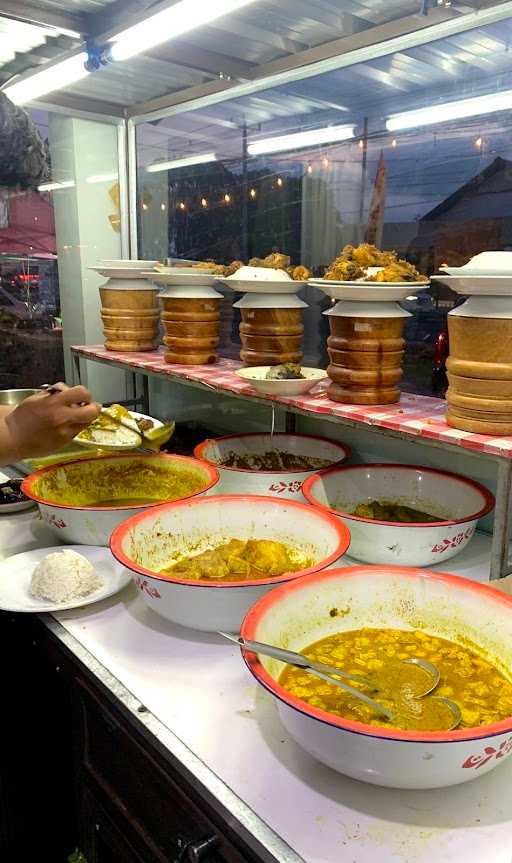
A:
x,y
45,423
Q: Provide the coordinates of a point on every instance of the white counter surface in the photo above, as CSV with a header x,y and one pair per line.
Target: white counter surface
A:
x,y
200,690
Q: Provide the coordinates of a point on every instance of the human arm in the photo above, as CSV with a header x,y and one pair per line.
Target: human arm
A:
x,y
44,423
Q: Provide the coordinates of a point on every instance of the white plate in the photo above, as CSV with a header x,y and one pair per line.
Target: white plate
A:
x,y
489,286
128,264
255,376
368,292
191,292
255,287
182,279
89,444
121,272
270,301
484,264
16,573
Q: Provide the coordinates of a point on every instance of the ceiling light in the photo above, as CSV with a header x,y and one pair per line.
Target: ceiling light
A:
x,y
177,19
253,193
227,198
300,140
393,142
279,181
182,205
310,169
451,111
204,202
52,187
181,163
55,77
163,207
478,142
102,178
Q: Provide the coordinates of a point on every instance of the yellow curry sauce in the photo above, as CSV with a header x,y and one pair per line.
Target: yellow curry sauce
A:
x,y
104,482
389,511
239,560
482,692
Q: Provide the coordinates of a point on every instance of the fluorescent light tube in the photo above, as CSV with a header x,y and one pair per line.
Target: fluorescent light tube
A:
x,y
181,163
102,178
179,18
52,187
451,111
55,77
300,140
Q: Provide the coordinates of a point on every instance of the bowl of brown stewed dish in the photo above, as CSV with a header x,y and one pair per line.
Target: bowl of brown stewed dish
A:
x,y
266,464
399,513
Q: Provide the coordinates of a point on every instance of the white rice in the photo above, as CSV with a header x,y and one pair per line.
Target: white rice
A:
x,y
64,576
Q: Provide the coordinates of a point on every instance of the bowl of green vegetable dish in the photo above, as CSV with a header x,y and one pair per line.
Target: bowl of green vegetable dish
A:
x,y
401,514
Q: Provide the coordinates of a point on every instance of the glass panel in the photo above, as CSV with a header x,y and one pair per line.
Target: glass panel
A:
x,y
446,193
49,237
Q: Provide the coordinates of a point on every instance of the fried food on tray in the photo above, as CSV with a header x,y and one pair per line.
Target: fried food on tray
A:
x,y
342,270
232,268
298,274
353,261
398,271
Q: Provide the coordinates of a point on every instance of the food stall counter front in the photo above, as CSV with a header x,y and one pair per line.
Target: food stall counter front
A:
x,y
191,696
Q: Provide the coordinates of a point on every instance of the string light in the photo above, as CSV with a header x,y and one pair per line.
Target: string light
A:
x,y
253,193
360,144
310,169
325,162
182,205
227,198
478,142
144,205
204,202
393,142
163,207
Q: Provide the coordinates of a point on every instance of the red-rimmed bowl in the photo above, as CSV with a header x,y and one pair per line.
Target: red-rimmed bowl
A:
x,y
283,483
69,495
459,503
151,541
298,614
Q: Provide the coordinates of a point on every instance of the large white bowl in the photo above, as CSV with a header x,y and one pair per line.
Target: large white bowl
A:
x,y
461,503
285,483
300,613
92,525
256,377
152,540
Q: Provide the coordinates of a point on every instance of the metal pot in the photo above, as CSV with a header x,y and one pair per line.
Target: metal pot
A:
x,y
15,397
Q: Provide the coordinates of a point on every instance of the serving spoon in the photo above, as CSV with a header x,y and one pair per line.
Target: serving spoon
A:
x,y
326,672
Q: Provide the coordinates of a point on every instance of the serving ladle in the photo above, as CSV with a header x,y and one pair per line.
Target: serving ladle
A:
x,y
412,706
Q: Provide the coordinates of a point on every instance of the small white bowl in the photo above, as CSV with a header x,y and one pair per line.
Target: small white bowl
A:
x,y
459,501
150,541
282,483
256,377
92,525
297,614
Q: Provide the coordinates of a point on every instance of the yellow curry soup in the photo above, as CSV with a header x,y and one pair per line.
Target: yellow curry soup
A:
x,y
482,692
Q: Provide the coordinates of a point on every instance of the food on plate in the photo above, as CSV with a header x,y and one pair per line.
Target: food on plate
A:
x,y
218,269
239,560
278,261
386,510
107,429
144,425
273,460
286,372
398,271
118,483
482,692
353,262
64,576
10,492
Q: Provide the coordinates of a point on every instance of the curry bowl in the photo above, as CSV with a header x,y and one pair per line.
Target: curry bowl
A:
x,y
302,612
288,459
454,502
83,501
152,541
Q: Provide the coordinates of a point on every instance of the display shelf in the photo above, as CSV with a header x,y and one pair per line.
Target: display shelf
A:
x,y
414,417
225,730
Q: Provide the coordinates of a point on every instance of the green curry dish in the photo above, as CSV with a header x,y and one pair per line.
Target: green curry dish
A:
x,y
394,512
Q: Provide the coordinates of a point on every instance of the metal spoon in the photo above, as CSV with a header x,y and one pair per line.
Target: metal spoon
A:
x,y
325,672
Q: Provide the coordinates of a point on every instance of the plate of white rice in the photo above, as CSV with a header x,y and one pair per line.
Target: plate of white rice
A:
x,y
54,579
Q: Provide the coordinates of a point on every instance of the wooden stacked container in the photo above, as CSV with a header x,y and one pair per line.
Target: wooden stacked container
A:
x,y
366,359
271,336
479,366
130,315
192,328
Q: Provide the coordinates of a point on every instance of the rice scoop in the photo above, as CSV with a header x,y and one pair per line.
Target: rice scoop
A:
x,y
64,576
